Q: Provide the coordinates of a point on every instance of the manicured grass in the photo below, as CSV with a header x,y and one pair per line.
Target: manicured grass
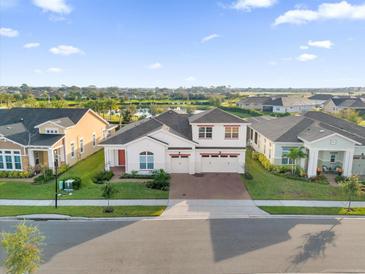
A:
x,y
267,186
83,211
296,210
85,169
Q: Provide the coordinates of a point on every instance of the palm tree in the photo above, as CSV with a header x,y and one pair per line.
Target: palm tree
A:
x,y
295,154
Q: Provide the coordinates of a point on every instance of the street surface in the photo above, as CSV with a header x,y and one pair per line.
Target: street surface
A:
x,y
202,246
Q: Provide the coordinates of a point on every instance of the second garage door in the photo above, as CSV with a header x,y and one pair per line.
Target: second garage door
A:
x,y
218,163
179,164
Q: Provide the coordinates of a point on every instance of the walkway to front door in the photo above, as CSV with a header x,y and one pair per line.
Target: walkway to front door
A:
x,y
225,186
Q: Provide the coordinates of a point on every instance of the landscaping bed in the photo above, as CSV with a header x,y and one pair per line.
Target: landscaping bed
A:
x,y
83,211
297,210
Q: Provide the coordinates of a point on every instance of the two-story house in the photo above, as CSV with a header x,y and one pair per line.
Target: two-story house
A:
x,y
211,141
31,138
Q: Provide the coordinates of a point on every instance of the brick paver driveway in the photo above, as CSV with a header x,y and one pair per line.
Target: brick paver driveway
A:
x,y
208,186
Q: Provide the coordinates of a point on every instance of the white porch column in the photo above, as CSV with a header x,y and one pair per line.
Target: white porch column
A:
x,y
50,159
107,158
312,162
347,162
192,162
31,157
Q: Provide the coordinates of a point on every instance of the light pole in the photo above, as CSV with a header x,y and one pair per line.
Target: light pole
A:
x,y
56,186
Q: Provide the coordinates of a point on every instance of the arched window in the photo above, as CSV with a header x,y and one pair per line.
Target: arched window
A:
x,y
146,160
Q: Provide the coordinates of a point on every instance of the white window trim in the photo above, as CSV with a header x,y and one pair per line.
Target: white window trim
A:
x,y
83,145
72,145
49,130
12,154
93,137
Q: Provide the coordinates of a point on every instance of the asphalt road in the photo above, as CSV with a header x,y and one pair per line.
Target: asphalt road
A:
x,y
202,246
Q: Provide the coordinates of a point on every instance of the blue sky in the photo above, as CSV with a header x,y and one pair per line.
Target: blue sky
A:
x,y
172,43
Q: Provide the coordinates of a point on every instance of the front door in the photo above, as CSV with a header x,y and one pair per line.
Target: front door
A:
x,y
121,157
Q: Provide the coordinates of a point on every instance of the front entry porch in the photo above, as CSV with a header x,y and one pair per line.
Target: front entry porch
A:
x,y
45,158
329,162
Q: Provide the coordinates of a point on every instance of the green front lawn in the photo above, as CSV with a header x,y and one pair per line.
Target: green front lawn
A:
x,y
297,210
83,211
85,169
267,186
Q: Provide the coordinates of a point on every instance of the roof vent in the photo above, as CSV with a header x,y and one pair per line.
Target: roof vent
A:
x,y
22,119
321,131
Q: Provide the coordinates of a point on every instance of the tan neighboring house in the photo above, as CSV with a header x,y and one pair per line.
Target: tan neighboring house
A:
x,y
34,137
338,104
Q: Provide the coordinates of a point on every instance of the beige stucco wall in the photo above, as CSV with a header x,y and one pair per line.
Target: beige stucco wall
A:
x,y
84,129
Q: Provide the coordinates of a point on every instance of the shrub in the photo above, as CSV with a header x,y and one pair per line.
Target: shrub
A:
x,y
15,174
62,168
320,179
76,184
46,176
340,178
102,177
161,180
135,175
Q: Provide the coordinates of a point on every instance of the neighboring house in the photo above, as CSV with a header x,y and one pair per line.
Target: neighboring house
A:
x,y
290,104
329,142
320,99
211,141
35,137
253,102
338,104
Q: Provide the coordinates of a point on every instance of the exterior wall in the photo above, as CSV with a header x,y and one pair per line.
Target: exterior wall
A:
x,y
292,109
84,129
42,129
133,150
358,166
218,139
171,139
250,106
329,106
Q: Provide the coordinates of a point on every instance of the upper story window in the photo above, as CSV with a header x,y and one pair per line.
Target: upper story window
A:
x,y
205,132
51,130
231,132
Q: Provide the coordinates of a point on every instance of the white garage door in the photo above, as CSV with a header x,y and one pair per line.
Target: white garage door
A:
x,y
219,163
358,167
179,164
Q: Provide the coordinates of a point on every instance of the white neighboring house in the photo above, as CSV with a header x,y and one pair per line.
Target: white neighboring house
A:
x,y
320,99
329,142
211,141
291,104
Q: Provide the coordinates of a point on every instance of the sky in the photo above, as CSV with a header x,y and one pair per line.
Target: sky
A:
x,y
173,43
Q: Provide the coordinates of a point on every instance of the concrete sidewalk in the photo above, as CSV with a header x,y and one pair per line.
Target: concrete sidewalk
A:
x,y
192,202
307,203
146,202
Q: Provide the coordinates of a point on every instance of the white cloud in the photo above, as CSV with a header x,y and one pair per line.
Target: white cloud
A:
x,y
305,57
190,79
209,37
54,70
56,6
8,32
248,5
31,45
325,11
65,50
155,66
326,44
304,47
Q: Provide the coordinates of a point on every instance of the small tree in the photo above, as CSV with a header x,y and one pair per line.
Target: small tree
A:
x,y
108,192
295,154
23,249
352,187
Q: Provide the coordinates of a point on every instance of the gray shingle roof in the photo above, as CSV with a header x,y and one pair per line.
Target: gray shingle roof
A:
x,y
215,115
311,126
349,102
321,97
18,124
256,100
